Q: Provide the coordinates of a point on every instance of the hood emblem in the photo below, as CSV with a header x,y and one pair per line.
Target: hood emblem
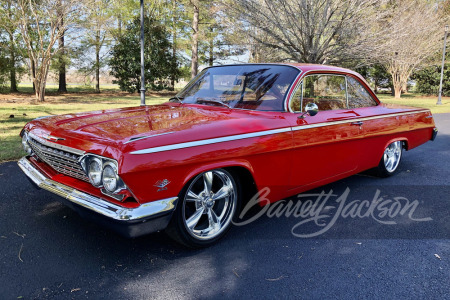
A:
x,y
52,138
162,184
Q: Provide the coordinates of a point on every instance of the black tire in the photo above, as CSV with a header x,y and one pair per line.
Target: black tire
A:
x,y
178,228
388,164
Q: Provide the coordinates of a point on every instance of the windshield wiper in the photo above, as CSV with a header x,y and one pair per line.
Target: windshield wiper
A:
x,y
176,99
213,101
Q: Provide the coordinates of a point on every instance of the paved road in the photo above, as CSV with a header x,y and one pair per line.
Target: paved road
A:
x,y
48,251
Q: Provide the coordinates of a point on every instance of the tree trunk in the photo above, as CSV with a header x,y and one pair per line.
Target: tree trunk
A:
x,y
62,66
174,44
194,61
62,88
119,24
33,74
12,66
397,91
211,50
97,61
405,87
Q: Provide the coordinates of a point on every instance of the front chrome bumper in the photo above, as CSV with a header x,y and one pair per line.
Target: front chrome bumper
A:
x,y
131,222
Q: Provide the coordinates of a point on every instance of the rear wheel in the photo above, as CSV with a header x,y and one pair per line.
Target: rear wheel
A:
x,y
390,160
205,209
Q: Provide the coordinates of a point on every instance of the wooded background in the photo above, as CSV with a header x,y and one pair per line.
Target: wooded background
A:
x,y
389,41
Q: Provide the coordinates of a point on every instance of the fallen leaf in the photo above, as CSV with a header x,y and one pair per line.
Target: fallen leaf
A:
x,y
275,279
20,252
75,290
235,273
437,256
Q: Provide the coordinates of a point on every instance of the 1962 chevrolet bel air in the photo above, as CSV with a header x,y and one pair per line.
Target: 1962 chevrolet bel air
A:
x,y
188,165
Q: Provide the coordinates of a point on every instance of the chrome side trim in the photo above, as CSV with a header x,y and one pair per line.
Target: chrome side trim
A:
x,y
354,120
96,204
54,145
211,141
146,137
262,133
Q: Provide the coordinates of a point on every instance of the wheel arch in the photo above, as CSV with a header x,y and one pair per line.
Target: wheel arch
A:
x,y
241,170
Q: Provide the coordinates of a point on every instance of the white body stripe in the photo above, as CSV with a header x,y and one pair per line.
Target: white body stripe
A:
x,y
261,133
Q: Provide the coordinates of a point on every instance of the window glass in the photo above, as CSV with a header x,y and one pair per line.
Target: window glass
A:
x,y
358,96
327,91
296,98
256,87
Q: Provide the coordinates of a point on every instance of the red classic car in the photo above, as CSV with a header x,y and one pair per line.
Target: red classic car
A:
x,y
188,165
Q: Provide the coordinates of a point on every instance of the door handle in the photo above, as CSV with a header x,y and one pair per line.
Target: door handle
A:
x,y
358,123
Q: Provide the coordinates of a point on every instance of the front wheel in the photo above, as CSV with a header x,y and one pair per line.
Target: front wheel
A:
x,y
205,209
390,160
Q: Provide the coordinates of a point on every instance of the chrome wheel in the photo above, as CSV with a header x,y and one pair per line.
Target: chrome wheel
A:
x,y
209,204
392,156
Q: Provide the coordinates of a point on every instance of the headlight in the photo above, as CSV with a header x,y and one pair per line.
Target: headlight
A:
x,y
102,173
110,178
95,172
25,145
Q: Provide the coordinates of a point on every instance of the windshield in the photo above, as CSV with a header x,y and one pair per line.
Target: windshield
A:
x,y
256,87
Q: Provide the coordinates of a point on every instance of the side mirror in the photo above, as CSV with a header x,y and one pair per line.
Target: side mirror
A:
x,y
311,109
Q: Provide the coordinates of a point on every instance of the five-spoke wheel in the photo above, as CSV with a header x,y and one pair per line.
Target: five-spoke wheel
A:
x,y
391,159
206,208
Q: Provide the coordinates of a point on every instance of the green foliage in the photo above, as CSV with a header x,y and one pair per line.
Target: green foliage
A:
x,y
160,65
377,76
428,80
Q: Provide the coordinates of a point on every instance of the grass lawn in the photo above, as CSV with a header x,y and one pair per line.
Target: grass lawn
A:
x,y
419,101
24,109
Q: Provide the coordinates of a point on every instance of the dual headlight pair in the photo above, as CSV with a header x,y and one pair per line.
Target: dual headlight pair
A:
x,y
102,172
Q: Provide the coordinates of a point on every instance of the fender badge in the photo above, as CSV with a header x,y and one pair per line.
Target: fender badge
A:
x,y
162,185
52,138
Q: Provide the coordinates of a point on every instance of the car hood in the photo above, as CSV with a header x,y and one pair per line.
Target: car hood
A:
x,y
170,122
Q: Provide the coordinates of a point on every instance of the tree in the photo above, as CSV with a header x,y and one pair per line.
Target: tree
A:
x,y
428,78
13,54
62,86
99,31
310,31
195,20
414,35
159,63
377,76
41,25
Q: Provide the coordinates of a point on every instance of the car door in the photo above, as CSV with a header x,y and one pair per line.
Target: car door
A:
x,y
378,127
326,145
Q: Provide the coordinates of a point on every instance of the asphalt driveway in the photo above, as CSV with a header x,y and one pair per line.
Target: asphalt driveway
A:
x,y
400,250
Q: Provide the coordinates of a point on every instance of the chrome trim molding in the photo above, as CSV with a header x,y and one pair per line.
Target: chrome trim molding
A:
x,y
353,120
211,141
95,204
262,133
146,137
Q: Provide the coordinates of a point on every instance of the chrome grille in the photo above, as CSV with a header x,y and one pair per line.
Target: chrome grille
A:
x,y
62,161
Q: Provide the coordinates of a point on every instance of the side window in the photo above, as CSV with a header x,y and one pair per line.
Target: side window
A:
x,y
327,91
358,96
296,98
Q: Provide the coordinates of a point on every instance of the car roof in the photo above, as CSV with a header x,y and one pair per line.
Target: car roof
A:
x,y
304,67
